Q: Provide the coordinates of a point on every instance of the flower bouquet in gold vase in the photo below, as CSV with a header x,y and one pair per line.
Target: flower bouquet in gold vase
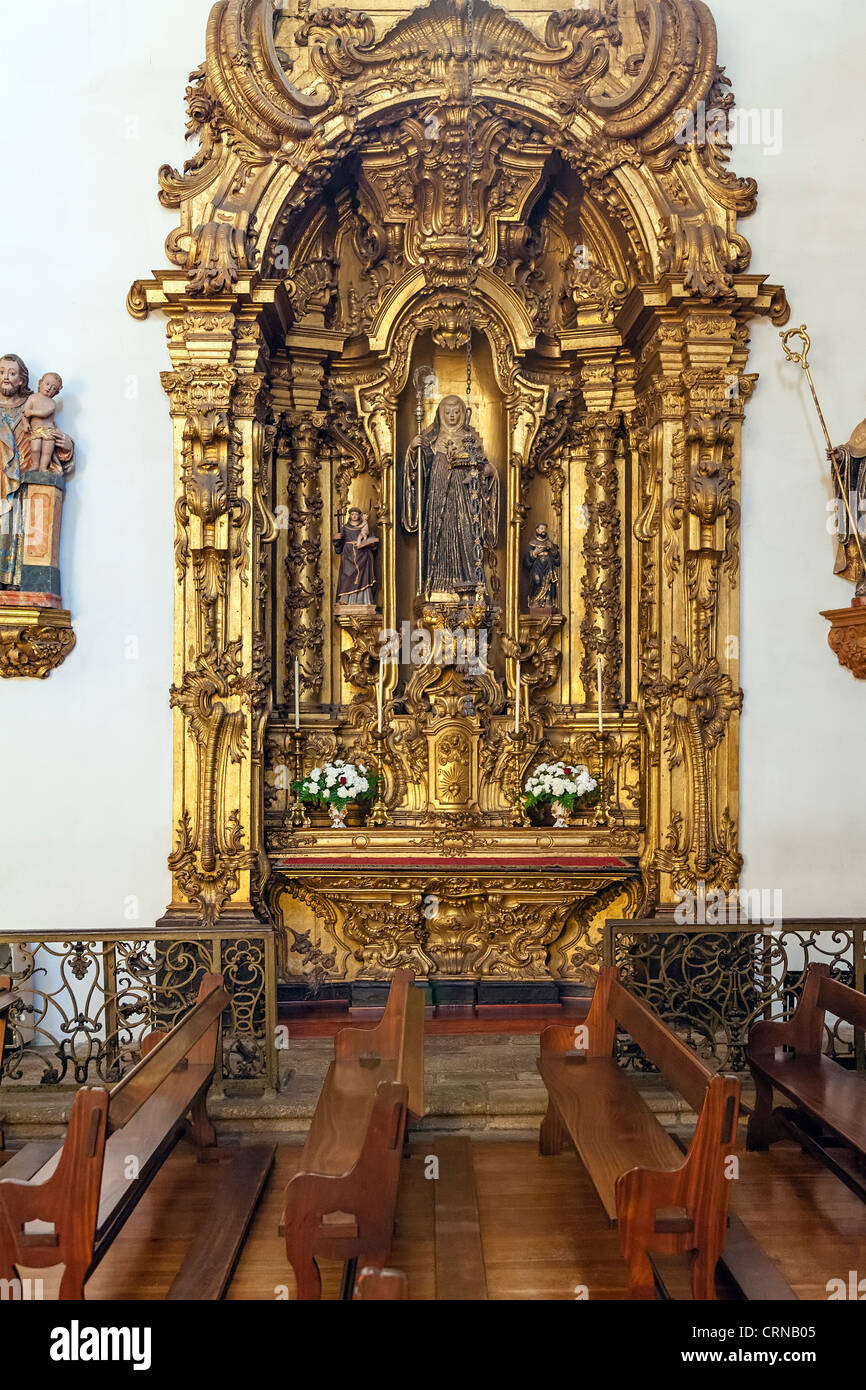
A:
x,y
339,788
559,790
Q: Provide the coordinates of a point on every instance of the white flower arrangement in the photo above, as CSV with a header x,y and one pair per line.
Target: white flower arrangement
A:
x,y
337,783
571,785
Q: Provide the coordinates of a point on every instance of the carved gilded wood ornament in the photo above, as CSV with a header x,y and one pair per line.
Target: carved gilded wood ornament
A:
x,y
354,172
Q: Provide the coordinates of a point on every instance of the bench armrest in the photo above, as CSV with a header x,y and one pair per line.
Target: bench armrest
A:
x,y
560,1038
641,1192
768,1034
804,1031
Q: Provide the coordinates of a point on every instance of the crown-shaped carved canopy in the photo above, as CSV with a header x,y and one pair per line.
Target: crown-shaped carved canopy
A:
x,y
283,104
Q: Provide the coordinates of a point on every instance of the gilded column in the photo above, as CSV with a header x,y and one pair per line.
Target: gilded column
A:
x,y
222,680
687,425
601,630
305,627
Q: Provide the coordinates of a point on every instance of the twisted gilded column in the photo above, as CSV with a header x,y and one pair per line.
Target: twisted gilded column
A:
x,y
601,629
305,592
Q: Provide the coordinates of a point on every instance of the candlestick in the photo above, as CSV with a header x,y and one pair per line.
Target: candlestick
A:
x,y
598,688
518,810
379,812
299,817
603,815
517,702
297,695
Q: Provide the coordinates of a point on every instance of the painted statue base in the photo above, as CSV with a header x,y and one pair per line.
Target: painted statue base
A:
x,y
34,639
356,610
18,598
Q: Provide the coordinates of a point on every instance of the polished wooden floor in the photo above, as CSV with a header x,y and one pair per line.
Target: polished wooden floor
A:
x,y
543,1230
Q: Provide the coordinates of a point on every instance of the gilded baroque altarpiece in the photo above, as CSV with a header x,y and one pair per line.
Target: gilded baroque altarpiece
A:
x,y
369,189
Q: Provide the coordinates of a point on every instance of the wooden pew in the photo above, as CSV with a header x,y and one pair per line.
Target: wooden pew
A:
x,y
341,1202
65,1217
660,1203
829,1107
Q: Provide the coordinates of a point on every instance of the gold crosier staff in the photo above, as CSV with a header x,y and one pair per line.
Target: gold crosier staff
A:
x,y
802,359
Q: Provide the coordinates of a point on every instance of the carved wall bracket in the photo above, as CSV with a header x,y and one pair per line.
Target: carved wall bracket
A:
x,y
34,641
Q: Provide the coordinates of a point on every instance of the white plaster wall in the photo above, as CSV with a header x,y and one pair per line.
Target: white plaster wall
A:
x,y
85,772
93,92
803,752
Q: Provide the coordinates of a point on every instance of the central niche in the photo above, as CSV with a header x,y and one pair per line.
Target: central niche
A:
x,y
464,520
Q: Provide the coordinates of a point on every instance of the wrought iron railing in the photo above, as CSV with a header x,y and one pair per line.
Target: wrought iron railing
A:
x,y
85,1000
710,983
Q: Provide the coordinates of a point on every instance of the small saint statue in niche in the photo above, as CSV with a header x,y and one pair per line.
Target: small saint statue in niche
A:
x,y
35,461
356,581
451,497
542,560
851,510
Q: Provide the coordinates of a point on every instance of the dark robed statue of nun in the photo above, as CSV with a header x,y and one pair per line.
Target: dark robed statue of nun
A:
x,y
454,532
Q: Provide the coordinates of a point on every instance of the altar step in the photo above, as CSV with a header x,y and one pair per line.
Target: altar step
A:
x,y
485,1085
325,1018
458,997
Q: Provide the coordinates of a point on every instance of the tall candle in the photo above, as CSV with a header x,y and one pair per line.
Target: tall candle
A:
x,y
517,702
297,695
598,687
380,694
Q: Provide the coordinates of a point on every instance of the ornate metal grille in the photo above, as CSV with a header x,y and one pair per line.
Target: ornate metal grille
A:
x,y
710,983
84,1002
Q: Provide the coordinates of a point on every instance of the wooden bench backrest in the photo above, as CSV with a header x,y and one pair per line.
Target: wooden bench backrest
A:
x,y
612,1004
193,1039
841,1000
398,1036
804,1031
686,1072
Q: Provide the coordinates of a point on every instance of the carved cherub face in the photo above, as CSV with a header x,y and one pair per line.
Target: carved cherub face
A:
x,y
50,385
